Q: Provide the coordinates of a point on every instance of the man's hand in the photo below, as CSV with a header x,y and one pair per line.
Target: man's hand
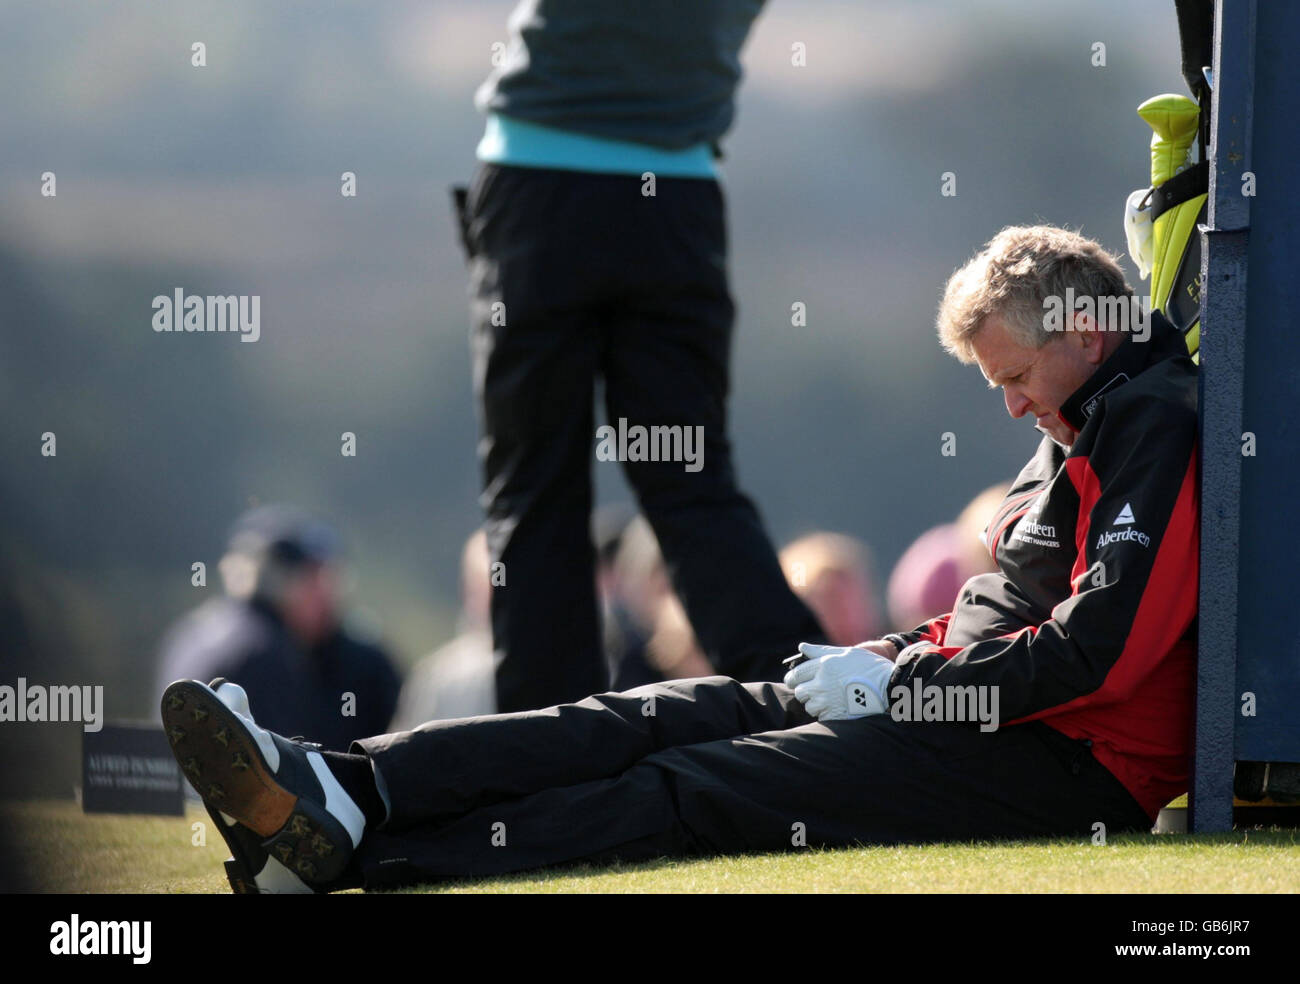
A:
x,y
838,682
882,646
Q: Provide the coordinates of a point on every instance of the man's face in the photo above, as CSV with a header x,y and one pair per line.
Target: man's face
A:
x,y
311,602
1038,381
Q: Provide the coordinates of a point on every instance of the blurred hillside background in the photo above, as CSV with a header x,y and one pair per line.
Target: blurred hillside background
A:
x,y
225,180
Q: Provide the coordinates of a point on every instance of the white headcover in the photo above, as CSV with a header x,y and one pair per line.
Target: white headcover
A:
x,y
1139,230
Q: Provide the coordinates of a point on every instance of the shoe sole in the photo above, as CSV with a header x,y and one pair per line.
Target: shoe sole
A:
x,y
224,764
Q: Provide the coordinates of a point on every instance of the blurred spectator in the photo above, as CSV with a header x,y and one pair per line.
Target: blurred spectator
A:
x,y
624,633
673,651
278,633
834,576
647,635
928,577
971,523
608,524
458,679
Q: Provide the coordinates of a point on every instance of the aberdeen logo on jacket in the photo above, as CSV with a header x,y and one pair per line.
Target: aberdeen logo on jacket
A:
x,y
1130,535
1123,536
1039,534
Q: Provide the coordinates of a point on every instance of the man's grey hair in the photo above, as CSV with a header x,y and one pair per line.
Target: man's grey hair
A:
x,y
1012,276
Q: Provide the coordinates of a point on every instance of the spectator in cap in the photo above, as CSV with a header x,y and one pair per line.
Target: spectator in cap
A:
x,y
278,632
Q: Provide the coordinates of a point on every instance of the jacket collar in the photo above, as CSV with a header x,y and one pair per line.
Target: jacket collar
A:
x,y
1126,362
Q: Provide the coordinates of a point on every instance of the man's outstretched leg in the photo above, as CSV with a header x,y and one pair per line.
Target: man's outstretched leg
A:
x,y
445,768
309,808
799,782
825,784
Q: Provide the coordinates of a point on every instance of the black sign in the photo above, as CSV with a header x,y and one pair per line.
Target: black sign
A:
x,y
129,768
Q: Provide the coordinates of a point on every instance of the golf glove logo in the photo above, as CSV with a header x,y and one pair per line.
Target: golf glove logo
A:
x,y
840,682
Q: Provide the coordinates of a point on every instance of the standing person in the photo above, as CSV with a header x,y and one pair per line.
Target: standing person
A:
x,y
596,235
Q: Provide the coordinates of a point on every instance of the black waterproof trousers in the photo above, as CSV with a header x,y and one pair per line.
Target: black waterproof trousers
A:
x,y
575,278
713,766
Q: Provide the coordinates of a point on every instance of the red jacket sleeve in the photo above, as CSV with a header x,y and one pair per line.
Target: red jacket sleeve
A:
x,y
1134,581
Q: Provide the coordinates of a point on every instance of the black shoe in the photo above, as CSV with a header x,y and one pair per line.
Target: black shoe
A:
x,y
280,790
249,869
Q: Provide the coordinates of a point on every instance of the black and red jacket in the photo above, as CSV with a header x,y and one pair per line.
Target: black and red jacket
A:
x,y
1089,625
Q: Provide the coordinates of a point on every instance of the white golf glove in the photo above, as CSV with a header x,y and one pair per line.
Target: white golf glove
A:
x,y
839,682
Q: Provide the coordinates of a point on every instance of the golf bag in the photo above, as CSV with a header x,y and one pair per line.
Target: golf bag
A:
x,y
1161,221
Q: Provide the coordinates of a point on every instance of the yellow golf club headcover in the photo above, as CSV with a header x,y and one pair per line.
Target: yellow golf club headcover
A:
x,y
1173,120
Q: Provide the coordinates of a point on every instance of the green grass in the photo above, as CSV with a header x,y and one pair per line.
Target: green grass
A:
x,y
69,851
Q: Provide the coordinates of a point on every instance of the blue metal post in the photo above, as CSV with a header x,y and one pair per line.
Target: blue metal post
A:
x,y
1225,239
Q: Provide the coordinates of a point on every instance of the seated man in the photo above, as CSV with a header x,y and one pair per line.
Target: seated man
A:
x,y
1081,644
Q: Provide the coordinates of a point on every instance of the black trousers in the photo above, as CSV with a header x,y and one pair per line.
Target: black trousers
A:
x,y
578,277
713,766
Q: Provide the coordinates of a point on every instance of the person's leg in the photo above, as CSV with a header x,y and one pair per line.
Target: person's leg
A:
x,y
446,768
867,781
667,364
534,347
